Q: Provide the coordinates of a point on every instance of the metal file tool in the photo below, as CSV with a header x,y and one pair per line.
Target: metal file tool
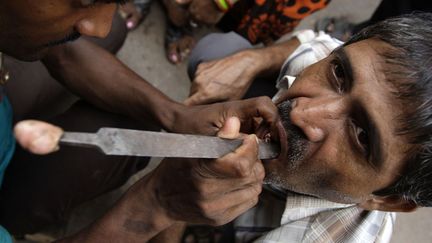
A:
x,y
115,141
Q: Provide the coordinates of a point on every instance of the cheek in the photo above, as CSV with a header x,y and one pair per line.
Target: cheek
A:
x,y
48,16
337,171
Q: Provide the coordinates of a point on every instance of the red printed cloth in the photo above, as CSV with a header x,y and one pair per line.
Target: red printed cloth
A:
x,y
267,20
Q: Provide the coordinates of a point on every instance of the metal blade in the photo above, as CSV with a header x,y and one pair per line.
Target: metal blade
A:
x,y
114,141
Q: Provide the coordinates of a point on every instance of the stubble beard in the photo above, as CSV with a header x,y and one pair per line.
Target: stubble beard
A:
x,y
297,146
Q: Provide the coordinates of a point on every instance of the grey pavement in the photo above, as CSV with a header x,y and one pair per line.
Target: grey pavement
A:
x,y
144,53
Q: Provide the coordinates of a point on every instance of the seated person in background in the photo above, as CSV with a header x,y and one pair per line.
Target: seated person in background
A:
x,y
355,131
257,21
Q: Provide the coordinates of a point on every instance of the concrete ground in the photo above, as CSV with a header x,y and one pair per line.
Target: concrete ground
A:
x,y
144,53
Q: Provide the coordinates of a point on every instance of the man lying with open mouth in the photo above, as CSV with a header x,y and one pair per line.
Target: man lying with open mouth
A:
x,y
354,129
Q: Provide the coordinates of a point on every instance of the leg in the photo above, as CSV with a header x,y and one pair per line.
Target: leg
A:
x,y
41,191
215,46
219,45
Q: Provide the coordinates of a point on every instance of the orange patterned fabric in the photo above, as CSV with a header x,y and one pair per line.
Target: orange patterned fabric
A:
x,y
268,20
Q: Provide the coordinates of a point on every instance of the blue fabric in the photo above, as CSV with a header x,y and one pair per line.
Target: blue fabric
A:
x,y
7,139
7,149
4,236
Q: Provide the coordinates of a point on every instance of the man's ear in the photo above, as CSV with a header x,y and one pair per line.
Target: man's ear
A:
x,y
392,203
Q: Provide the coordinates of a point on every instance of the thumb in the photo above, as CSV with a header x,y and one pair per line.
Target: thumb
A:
x,y
38,137
231,128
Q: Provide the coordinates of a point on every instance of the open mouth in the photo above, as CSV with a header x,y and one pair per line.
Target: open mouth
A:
x,y
274,134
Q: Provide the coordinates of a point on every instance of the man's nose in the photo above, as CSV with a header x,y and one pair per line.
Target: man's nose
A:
x,y
98,22
317,117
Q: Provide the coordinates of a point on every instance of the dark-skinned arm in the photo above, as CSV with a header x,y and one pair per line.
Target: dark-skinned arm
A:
x,y
100,78
202,191
212,192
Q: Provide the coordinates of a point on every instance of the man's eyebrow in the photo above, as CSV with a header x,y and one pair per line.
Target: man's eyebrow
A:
x,y
345,62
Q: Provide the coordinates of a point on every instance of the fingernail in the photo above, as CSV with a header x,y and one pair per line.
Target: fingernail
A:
x,y
129,24
45,143
257,142
174,58
26,127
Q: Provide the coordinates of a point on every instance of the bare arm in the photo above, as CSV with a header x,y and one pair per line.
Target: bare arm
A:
x,y
198,191
100,78
137,217
210,192
230,77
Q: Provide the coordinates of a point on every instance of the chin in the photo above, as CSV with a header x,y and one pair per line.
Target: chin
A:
x,y
276,178
273,177
288,175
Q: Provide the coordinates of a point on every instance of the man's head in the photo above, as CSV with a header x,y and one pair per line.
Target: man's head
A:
x,y
29,28
357,125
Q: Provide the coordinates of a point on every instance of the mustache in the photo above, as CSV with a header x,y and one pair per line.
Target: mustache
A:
x,y
297,141
69,38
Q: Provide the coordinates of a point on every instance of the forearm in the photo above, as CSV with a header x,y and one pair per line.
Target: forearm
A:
x,y
137,217
100,78
172,234
271,58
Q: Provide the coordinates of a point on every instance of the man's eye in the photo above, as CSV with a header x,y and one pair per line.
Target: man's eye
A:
x,y
362,138
339,76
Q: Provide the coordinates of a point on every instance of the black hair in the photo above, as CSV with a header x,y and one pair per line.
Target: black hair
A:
x,y
410,59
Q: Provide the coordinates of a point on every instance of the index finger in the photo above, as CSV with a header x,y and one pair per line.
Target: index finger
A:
x,y
255,107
